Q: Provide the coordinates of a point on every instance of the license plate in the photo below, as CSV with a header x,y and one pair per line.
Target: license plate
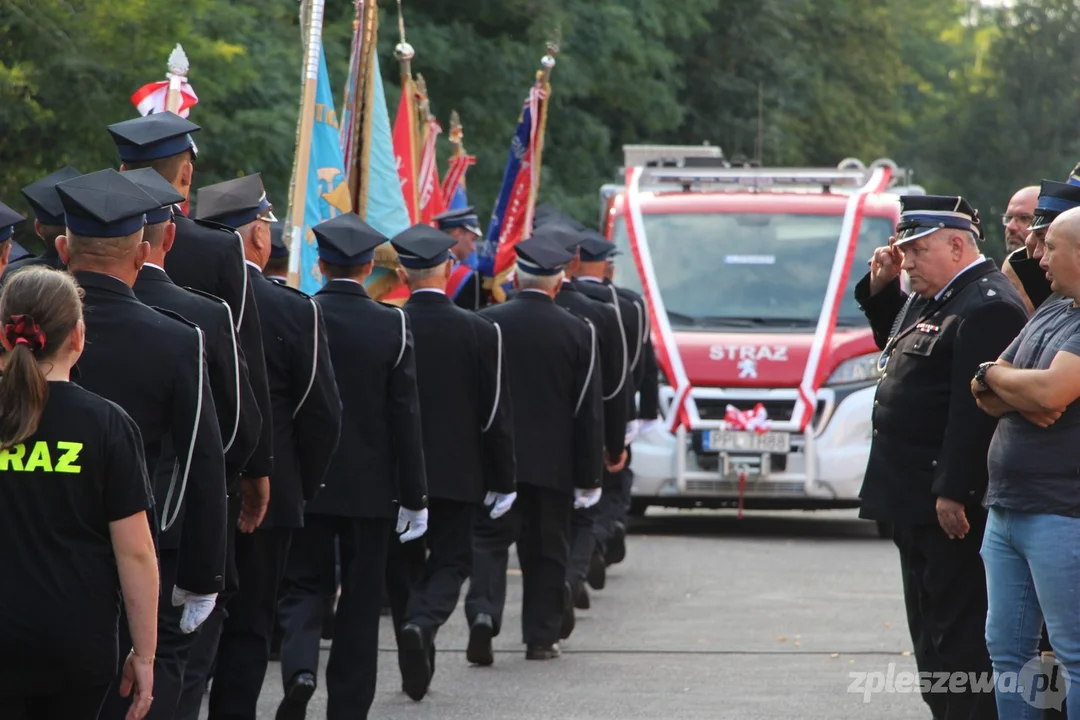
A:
x,y
740,441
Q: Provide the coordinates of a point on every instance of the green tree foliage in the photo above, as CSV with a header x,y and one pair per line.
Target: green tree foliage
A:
x,y
976,101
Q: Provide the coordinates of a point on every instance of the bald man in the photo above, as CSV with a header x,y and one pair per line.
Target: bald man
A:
x,y
1032,496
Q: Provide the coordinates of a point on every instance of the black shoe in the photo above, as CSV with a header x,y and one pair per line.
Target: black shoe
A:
x,y
568,618
581,601
297,693
597,574
415,666
542,652
616,548
479,650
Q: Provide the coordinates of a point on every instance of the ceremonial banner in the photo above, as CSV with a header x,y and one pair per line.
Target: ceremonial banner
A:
x,y
327,193
511,219
405,149
174,93
387,210
432,202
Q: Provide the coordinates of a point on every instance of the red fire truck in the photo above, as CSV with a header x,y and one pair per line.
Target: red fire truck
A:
x,y
748,273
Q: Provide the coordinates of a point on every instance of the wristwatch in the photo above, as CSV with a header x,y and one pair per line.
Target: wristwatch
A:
x,y
980,374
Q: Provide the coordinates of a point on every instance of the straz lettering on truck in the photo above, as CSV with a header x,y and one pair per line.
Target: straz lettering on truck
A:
x,y
748,356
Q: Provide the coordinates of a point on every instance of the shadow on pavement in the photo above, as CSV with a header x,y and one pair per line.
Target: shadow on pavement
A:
x,y
821,524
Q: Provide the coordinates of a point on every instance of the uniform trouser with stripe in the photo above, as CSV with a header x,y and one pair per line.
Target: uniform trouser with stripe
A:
x,y
244,649
204,648
611,508
311,577
539,522
582,545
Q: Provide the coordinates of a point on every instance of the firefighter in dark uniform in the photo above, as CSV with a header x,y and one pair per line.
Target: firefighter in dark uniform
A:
x,y
466,286
234,400
209,258
48,218
613,364
9,219
1054,199
379,461
151,363
277,267
306,415
927,473
227,376
468,439
644,414
589,279
558,423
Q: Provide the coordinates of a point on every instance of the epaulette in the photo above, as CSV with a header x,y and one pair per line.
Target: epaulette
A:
x,y
211,225
175,316
210,296
291,289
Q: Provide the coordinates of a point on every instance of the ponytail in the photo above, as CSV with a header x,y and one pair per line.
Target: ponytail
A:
x,y
39,308
23,393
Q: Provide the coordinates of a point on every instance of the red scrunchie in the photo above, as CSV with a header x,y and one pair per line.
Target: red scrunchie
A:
x,y
23,329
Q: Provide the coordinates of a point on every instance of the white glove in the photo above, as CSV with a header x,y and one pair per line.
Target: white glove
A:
x,y
647,425
500,503
632,429
196,608
414,520
586,498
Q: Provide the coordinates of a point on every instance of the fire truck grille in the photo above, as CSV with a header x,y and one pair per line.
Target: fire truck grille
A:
x,y
778,410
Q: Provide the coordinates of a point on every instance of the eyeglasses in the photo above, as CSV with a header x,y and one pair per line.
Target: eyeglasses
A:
x,y
1022,218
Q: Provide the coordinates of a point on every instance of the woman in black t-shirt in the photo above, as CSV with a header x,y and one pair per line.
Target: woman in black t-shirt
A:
x,y
74,534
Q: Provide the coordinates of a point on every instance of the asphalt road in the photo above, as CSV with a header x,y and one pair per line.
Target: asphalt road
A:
x,y
709,617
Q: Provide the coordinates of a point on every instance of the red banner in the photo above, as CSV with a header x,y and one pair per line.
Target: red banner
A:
x,y
404,152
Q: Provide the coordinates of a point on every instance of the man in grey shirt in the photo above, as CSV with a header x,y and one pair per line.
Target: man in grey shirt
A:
x,y
1032,567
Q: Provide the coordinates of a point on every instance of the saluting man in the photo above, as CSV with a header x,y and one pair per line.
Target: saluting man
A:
x,y
468,439
1054,199
465,287
379,462
927,472
306,415
48,218
555,388
151,363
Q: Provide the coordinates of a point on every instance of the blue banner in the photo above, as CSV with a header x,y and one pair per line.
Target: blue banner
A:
x,y
519,146
327,190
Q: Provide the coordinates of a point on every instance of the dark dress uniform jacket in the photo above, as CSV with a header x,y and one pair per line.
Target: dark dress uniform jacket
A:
x,y
632,322
147,361
209,257
237,412
1031,277
643,365
304,397
49,258
555,389
380,458
930,439
471,294
464,394
616,386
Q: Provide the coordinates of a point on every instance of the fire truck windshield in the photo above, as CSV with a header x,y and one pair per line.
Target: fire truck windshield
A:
x,y
748,269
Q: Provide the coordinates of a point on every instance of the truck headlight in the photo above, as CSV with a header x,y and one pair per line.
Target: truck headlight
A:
x,y
861,369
